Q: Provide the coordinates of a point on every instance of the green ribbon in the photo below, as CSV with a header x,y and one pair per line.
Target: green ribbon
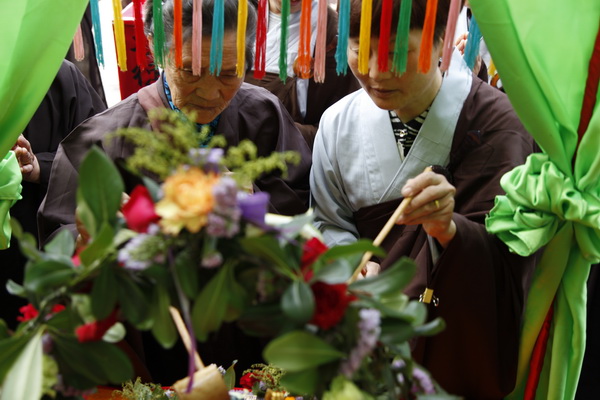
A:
x,y
539,201
10,192
551,202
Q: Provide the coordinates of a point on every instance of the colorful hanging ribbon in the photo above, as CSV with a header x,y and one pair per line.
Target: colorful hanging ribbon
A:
x,y
402,35
158,37
321,42
303,67
449,36
140,39
241,37
473,43
119,36
97,31
427,36
78,48
261,39
197,37
385,27
364,39
216,44
178,32
285,13
341,51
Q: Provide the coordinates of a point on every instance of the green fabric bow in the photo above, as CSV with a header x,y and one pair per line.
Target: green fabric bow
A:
x,y
542,50
10,192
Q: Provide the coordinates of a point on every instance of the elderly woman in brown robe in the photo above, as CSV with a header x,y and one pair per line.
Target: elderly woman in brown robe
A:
x,y
224,103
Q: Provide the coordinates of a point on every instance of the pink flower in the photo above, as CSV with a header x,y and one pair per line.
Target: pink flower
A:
x,y
139,210
94,331
331,302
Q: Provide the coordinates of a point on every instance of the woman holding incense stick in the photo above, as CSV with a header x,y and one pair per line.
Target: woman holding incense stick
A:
x,y
370,153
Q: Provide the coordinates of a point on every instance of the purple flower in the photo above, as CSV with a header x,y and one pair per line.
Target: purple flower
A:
x,y
208,158
422,382
223,221
142,251
212,260
254,207
369,330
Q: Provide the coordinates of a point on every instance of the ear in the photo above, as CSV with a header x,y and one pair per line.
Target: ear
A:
x,y
150,39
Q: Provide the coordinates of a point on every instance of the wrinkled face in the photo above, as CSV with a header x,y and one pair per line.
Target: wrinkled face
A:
x,y
275,6
207,95
409,94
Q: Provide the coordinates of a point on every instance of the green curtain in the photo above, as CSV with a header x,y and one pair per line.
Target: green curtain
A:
x,y
542,50
35,36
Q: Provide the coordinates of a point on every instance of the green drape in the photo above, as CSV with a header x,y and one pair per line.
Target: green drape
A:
x,y
34,38
542,50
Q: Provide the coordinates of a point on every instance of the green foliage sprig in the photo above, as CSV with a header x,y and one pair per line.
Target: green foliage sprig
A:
x,y
144,391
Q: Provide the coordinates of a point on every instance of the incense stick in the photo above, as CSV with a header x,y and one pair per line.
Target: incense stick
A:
x,y
185,336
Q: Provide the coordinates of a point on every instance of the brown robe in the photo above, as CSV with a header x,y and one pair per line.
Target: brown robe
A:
x,y
320,95
253,114
479,282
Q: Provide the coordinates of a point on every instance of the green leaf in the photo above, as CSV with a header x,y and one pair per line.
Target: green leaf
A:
x,y
431,328
334,272
47,274
27,242
115,333
100,190
4,333
24,380
210,305
359,247
262,320
15,289
395,331
298,351
268,249
153,188
186,268
104,295
298,302
304,382
62,244
10,349
96,362
101,244
238,299
393,279
163,328
133,301
229,377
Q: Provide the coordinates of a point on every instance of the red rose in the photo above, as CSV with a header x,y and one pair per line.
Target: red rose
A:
x,y
312,249
94,331
331,302
139,210
248,380
30,312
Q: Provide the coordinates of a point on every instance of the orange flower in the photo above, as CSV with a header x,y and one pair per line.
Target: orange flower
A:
x,y
187,201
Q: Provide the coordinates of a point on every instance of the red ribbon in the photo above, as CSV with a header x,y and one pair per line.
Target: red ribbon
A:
x,y
140,38
385,27
260,59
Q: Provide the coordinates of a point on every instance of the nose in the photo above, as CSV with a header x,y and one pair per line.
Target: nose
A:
x,y
374,72
208,87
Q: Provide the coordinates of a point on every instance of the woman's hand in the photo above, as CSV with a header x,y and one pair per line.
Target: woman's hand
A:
x,y
432,206
30,168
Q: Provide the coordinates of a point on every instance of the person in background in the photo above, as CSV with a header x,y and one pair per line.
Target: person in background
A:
x,y
69,101
223,104
371,152
305,99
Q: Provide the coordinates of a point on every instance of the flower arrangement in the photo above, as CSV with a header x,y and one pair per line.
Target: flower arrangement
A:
x,y
202,243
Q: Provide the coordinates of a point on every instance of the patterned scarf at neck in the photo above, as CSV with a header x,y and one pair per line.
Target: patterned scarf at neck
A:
x,y
211,126
406,133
